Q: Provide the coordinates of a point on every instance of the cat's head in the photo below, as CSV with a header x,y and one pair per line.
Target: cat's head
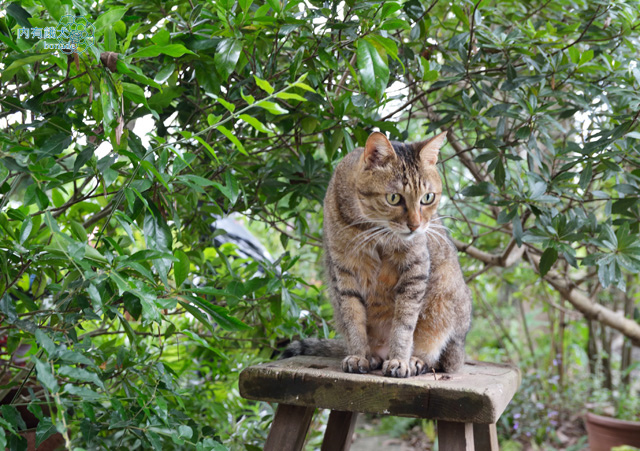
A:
x,y
398,185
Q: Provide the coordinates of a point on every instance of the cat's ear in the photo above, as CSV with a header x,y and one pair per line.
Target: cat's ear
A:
x,y
378,151
428,150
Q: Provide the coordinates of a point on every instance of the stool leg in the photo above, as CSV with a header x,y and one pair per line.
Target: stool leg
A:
x,y
289,428
454,436
339,431
485,436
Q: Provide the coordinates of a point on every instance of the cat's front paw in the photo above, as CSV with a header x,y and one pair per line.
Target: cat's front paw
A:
x,y
355,364
396,368
417,366
375,362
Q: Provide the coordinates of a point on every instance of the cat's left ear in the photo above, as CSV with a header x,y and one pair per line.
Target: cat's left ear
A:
x,y
378,151
428,151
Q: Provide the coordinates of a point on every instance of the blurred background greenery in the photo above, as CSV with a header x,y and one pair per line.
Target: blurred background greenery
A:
x,y
129,305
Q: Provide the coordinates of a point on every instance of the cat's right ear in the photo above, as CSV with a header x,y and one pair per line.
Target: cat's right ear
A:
x,y
378,151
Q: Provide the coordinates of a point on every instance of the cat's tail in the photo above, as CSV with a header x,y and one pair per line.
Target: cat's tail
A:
x,y
322,347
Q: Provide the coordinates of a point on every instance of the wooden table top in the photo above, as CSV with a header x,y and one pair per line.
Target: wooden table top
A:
x,y
479,393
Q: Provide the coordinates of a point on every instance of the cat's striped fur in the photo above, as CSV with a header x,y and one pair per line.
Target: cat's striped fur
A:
x,y
398,293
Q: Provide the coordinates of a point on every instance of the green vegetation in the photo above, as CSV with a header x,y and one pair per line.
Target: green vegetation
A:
x,y
130,325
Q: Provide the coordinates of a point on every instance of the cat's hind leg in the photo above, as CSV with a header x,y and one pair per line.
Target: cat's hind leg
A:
x,y
453,356
428,344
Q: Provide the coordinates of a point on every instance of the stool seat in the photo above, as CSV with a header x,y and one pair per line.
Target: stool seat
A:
x,y
478,394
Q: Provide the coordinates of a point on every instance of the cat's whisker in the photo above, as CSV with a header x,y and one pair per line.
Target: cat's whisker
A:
x,y
386,237
447,217
366,233
434,234
363,236
366,221
374,235
437,230
368,239
439,227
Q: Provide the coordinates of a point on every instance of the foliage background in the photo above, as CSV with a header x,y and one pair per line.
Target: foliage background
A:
x,y
114,298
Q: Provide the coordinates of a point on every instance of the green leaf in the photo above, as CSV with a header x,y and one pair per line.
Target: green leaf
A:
x,y
208,147
574,54
373,70
25,230
255,123
55,145
20,14
8,308
304,86
247,98
290,96
394,24
230,190
86,394
585,176
586,57
197,314
108,18
109,105
11,44
181,267
156,231
174,50
46,378
481,189
135,73
226,132
272,107
11,414
46,342
134,93
150,167
220,315
81,375
264,85
41,199
500,173
54,8
164,73
14,67
185,431
227,56
44,430
228,105
549,257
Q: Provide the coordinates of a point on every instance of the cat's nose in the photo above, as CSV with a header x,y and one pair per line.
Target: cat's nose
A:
x,y
413,227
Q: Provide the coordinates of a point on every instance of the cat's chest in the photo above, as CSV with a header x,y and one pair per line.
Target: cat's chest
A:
x,y
378,274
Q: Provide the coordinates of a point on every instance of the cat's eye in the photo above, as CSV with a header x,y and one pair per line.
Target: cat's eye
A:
x,y
428,198
394,199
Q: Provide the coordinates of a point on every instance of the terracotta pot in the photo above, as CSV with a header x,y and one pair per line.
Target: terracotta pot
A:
x,y
605,432
52,443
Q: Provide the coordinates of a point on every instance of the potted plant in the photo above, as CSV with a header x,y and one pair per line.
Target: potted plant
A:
x,y
614,422
32,428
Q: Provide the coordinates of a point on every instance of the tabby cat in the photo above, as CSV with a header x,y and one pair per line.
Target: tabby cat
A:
x,y
399,297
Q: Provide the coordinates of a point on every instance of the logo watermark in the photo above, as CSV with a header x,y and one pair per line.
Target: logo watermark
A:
x,y
74,34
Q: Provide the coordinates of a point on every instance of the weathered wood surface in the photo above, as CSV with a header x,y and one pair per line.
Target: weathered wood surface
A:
x,y
339,433
479,393
456,436
485,437
289,428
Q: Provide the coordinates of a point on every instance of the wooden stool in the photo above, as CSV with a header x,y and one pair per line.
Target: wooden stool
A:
x,y
466,405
